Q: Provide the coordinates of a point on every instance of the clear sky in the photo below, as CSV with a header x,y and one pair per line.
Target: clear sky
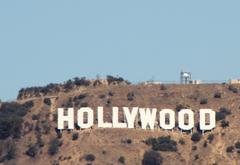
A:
x,y
53,40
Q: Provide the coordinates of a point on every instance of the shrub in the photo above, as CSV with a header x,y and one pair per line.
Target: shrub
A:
x,y
230,149
181,141
205,144
114,80
127,141
223,112
152,158
82,96
237,145
85,104
35,117
130,96
90,157
194,148
81,81
210,138
47,101
75,136
217,95
233,89
121,160
163,87
11,151
181,106
204,101
102,96
163,143
110,93
32,150
108,103
11,114
53,146
224,124
46,127
40,142
196,137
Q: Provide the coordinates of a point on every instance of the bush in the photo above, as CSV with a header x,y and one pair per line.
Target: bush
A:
x,y
35,117
181,141
194,148
130,96
224,124
163,87
237,145
85,104
114,80
11,151
47,101
90,157
11,114
210,138
230,149
121,160
196,137
32,150
46,127
204,101
233,89
110,93
163,143
81,81
205,144
82,96
181,106
217,95
223,112
102,96
75,136
152,158
53,146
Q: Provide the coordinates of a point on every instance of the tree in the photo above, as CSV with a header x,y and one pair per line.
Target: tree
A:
x,y
152,158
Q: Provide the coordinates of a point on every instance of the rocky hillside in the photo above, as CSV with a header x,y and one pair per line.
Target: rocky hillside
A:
x,y
28,133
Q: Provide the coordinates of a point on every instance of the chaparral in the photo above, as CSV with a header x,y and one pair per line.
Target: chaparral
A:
x,y
149,118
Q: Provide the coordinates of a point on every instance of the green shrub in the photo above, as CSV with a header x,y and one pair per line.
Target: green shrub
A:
x,y
130,96
181,141
223,112
204,101
32,150
230,149
152,158
11,114
237,145
90,157
217,95
75,136
53,146
11,151
196,137
121,160
163,143
233,89
47,101
163,87
224,123
210,138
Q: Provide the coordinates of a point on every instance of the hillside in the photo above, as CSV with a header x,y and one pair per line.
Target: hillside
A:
x,y
28,126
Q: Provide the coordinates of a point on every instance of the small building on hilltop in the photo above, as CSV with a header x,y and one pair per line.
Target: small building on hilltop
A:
x,y
234,81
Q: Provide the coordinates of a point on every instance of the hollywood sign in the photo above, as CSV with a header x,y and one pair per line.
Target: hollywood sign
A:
x,y
150,118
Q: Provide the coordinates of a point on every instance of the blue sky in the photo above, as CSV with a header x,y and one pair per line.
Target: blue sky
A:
x,y
52,41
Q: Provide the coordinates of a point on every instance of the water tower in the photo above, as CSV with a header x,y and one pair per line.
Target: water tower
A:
x,y
185,77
